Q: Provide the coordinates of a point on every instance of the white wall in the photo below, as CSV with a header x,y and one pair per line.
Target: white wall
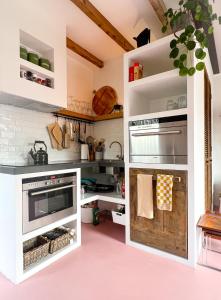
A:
x,y
217,136
80,78
111,130
19,128
112,75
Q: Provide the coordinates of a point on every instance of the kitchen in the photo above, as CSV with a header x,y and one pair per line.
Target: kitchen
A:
x,y
77,140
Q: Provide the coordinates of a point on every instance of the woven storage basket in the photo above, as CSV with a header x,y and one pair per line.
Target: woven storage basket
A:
x,y
34,250
57,243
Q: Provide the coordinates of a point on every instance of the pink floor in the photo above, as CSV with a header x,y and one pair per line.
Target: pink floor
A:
x,y
104,268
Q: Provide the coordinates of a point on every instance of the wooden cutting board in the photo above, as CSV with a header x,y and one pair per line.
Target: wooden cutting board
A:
x,y
104,100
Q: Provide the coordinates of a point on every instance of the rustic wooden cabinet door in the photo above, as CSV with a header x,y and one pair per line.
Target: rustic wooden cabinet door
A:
x,y
168,230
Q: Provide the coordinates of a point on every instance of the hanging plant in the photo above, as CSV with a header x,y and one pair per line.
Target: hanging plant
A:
x,y
195,18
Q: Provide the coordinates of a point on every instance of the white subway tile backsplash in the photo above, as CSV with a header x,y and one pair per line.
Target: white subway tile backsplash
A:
x,y
19,128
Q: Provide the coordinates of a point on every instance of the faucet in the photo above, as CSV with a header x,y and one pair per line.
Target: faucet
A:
x,y
121,149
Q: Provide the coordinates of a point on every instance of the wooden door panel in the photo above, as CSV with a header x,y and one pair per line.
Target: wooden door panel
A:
x,y
168,230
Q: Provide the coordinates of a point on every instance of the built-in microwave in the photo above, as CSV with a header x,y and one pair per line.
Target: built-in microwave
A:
x,y
48,199
159,141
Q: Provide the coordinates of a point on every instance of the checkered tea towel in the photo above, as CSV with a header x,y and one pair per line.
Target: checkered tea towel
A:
x,y
164,192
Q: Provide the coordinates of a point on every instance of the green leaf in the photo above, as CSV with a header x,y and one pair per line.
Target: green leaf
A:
x,y
173,43
191,45
176,63
220,20
183,71
200,37
199,53
205,42
189,29
174,53
210,29
200,66
210,9
214,17
183,37
183,57
198,8
164,29
198,16
190,5
191,71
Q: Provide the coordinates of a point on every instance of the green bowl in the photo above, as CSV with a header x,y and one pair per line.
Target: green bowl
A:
x,y
33,58
23,53
44,63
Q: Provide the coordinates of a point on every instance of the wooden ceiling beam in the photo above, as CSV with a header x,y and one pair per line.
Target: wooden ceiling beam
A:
x,y
159,8
90,10
84,53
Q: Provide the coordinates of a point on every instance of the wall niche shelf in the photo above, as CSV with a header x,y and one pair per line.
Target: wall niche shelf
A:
x,y
33,45
68,114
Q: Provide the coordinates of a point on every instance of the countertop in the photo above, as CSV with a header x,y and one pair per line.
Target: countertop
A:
x,y
55,166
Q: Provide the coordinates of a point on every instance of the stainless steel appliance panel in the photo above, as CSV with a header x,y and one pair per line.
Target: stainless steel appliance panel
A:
x,y
159,141
48,199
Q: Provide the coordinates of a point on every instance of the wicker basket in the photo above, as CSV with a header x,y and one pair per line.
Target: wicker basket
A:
x,y
59,238
34,250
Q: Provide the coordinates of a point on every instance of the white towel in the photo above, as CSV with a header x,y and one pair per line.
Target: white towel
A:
x,y
145,196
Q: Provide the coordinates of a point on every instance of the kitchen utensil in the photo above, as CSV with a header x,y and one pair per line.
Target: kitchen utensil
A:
x,y
71,125
57,133
104,100
54,143
79,136
67,136
89,140
40,157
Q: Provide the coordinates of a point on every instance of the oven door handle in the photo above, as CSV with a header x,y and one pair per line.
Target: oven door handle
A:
x,y
157,133
52,190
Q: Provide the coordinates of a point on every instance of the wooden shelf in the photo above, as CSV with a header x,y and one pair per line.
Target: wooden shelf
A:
x,y
76,116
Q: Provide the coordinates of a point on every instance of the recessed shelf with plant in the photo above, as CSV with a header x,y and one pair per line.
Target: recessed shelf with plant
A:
x,y
195,19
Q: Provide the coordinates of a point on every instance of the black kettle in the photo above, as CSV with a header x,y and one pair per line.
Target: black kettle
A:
x,y
40,157
143,38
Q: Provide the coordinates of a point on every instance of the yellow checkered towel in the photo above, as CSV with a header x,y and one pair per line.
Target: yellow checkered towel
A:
x,y
164,192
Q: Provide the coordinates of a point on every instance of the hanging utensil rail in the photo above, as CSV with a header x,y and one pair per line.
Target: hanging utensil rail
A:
x,y
76,117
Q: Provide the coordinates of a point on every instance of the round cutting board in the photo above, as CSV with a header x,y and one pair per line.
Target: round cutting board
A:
x,y
104,100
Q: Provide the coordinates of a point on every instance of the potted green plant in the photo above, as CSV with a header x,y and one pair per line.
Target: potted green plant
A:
x,y
195,20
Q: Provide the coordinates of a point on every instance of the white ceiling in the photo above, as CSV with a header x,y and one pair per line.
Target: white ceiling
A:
x,y
130,17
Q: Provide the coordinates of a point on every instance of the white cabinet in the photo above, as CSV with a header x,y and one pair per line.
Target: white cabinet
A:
x,y
29,26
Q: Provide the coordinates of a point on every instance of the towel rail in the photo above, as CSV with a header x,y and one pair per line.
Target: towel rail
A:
x,y
175,178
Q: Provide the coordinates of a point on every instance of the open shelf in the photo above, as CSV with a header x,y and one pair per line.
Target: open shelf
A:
x,y
28,66
46,261
44,229
158,166
154,57
162,114
77,116
108,197
33,44
158,93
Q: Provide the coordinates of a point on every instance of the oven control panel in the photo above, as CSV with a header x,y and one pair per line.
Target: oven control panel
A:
x,y
48,181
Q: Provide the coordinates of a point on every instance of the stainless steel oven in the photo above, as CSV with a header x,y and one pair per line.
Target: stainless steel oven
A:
x,y
162,140
48,199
